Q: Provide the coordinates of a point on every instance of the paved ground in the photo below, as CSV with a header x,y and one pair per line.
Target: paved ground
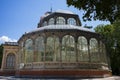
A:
x,y
12,78
108,78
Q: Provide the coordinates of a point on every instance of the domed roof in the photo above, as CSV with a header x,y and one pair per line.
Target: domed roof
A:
x,y
58,11
66,17
62,27
64,11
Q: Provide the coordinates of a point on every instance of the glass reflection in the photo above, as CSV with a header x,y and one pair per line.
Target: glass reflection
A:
x,y
39,48
71,21
10,61
51,21
103,52
52,49
28,51
60,20
82,49
45,23
68,49
94,50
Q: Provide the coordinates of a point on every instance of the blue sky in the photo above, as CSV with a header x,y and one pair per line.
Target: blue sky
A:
x,y
20,16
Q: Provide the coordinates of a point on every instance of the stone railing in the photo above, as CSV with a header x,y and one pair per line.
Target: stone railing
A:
x,y
65,65
53,65
28,65
38,65
69,65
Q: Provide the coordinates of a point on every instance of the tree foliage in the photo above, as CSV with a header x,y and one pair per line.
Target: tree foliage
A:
x,y
98,9
111,35
117,29
116,56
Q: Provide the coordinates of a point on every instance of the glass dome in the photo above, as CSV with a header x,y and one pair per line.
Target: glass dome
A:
x,y
59,17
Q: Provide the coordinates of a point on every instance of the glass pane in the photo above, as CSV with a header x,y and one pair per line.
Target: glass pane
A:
x,y
60,20
103,53
29,50
68,49
51,21
82,49
39,48
52,49
45,23
10,61
71,21
94,54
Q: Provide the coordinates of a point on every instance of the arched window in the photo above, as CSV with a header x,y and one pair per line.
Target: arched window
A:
x,y
71,21
82,49
103,52
51,21
52,49
10,61
29,51
60,20
45,23
94,50
68,49
39,48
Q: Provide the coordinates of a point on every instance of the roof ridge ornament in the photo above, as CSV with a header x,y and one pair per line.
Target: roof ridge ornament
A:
x,y
51,8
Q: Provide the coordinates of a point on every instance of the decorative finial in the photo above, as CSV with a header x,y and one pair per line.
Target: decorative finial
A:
x,y
51,8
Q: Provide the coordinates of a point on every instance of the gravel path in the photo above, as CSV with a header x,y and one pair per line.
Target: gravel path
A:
x,y
108,78
12,78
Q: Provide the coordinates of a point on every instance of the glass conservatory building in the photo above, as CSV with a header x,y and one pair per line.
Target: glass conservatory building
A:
x,y
61,47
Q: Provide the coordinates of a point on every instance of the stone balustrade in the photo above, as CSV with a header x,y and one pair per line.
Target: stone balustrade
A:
x,y
65,65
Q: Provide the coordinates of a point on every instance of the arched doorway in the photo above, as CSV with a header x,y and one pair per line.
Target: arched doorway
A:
x,y
10,61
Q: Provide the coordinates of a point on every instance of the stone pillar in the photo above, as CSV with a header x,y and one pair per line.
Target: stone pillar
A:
x,y
99,54
76,51
45,44
89,50
60,41
66,20
3,60
55,19
34,52
21,54
89,54
54,58
18,57
24,60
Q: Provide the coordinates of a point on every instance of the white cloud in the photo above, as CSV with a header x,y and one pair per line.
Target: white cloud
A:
x,y
6,39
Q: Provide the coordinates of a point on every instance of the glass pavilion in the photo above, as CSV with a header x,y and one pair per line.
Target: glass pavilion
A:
x,y
60,46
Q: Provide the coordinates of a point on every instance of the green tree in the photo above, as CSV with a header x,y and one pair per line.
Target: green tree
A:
x,y
116,25
111,35
98,9
116,56
1,53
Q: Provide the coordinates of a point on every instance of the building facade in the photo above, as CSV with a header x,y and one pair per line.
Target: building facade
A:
x,y
59,47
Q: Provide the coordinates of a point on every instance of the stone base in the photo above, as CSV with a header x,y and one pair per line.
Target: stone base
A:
x,y
7,73
63,73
